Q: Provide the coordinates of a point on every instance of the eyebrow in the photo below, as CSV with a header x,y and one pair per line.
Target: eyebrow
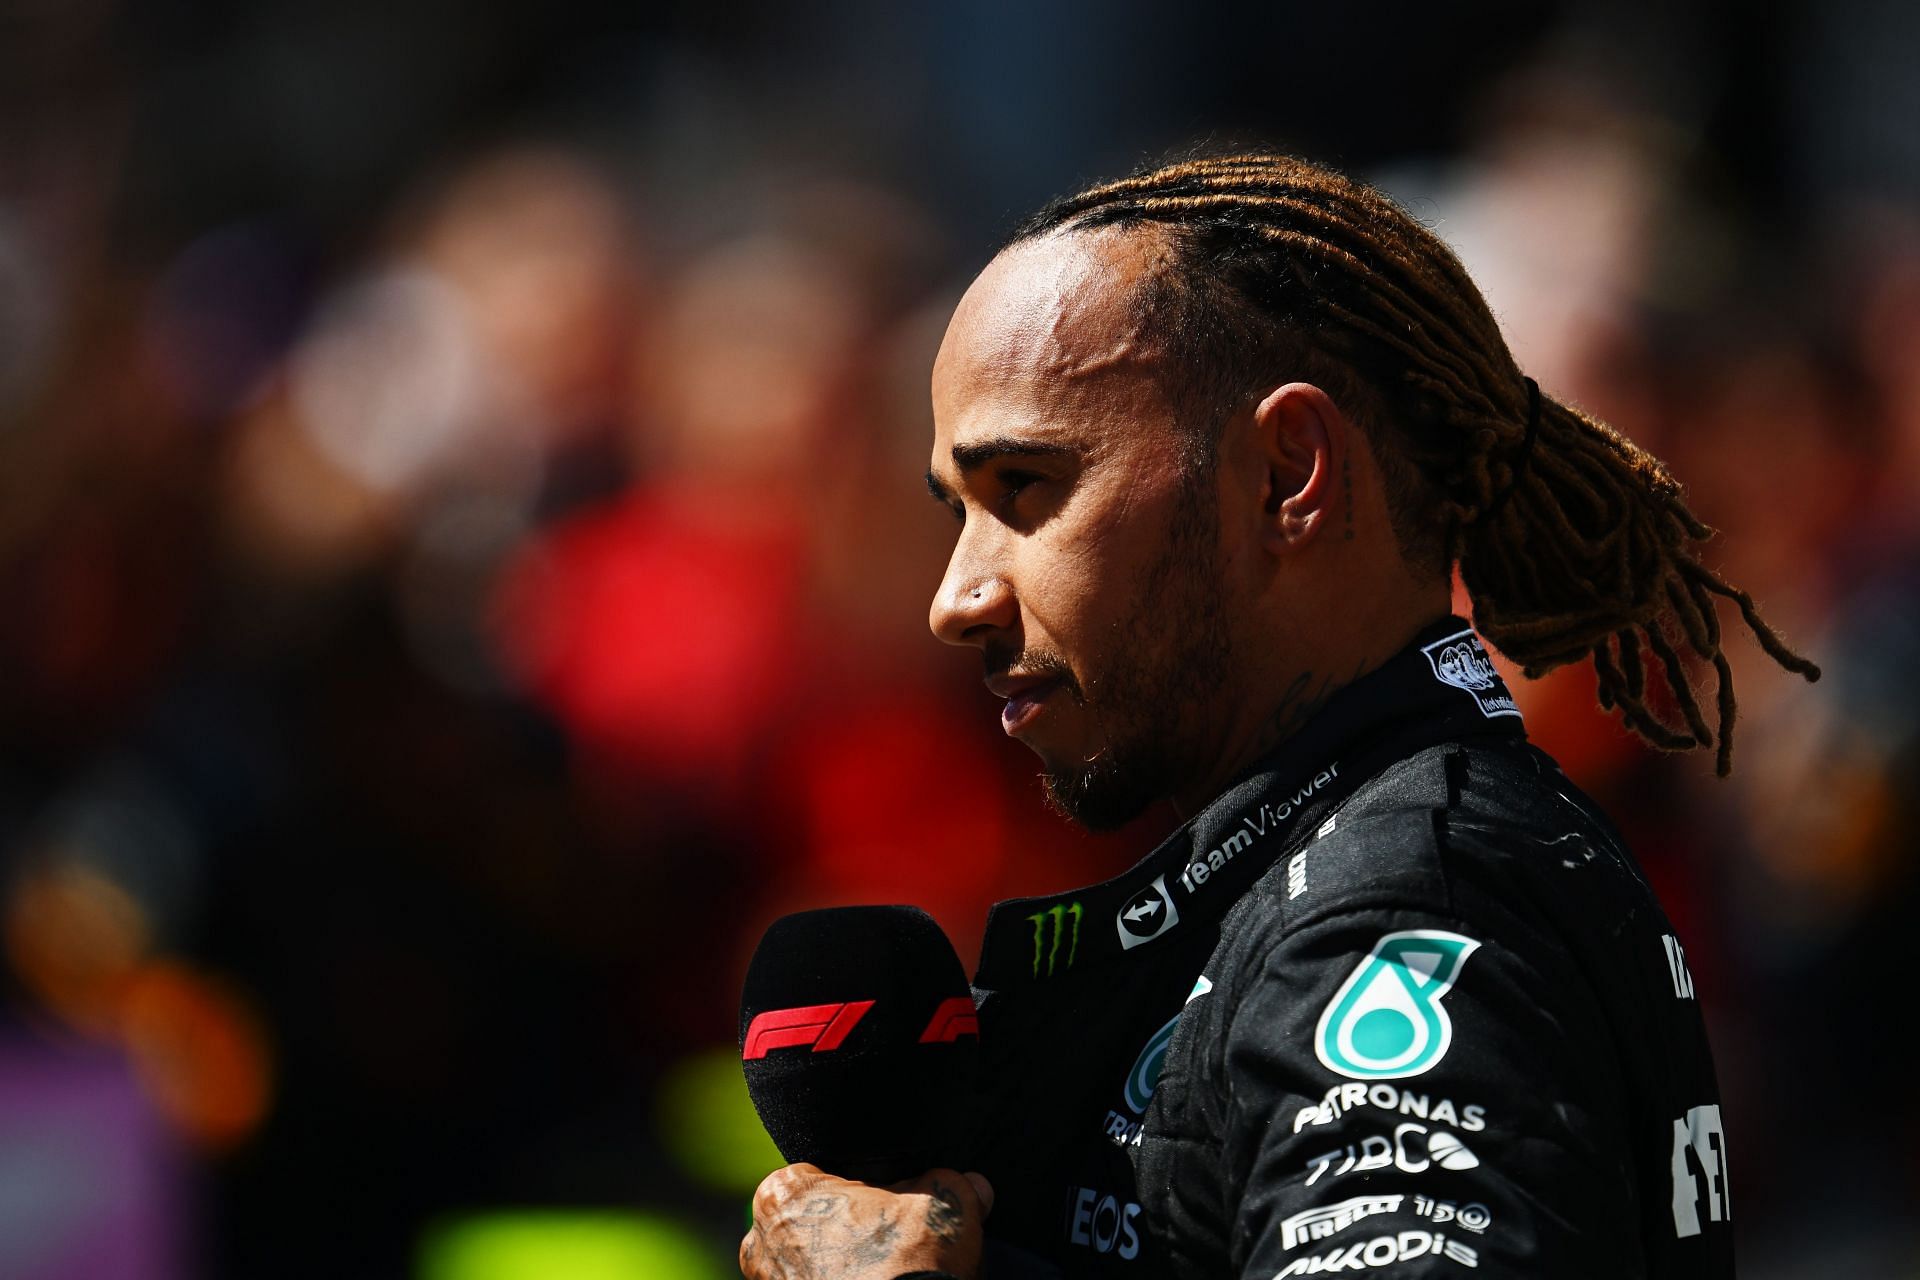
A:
x,y
971,457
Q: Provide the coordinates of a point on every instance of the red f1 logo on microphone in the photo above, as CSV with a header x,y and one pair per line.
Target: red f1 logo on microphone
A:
x,y
953,1019
823,1026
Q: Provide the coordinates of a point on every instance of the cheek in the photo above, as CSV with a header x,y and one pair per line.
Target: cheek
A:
x,y
1084,570
1086,598
1065,603
1110,535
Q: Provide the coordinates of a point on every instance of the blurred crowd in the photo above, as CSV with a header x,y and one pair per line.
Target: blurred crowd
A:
x,y
465,571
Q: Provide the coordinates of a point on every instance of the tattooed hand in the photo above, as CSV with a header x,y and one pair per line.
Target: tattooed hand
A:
x,y
809,1225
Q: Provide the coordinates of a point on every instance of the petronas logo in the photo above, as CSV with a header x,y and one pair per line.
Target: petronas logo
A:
x,y
1064,917
1386,1021
1145,1076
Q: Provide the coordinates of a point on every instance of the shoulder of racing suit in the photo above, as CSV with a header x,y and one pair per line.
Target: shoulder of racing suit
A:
x,y
1418,1041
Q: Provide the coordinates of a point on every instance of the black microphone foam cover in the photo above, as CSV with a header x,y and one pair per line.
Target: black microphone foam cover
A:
x,y
860,1044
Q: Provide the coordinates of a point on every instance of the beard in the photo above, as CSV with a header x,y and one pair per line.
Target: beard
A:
x,y
1168,659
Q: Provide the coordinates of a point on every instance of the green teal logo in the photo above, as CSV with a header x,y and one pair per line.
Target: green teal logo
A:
x,y
1145,1076
1057,915
1386,1021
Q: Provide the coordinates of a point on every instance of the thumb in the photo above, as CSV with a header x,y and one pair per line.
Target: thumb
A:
x,y
983,1189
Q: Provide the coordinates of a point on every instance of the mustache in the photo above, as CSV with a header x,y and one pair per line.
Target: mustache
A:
x,y
1000,659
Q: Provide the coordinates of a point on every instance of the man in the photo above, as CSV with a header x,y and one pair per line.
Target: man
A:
x,y
1395,997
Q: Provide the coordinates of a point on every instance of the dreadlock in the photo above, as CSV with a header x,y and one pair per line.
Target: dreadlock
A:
x,y
1572,541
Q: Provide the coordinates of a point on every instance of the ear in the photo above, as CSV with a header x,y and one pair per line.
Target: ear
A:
x,y
1298,439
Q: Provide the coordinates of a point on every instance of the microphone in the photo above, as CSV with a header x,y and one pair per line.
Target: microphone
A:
x,y
860,1044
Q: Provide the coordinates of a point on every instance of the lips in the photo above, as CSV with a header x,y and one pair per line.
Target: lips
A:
x,y
1024,695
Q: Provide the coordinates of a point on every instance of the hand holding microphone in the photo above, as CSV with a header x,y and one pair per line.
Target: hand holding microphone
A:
x,y
812,1224
860,1047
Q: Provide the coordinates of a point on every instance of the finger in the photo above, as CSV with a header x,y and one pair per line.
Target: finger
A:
x,y
765,1196
984,1190
966,1188
961,1192
782,1185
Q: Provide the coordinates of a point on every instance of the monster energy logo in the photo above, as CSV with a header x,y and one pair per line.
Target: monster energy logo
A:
x,y
1058,914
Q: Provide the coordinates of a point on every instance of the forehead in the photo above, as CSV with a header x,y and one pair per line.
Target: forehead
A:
x,y
1050,338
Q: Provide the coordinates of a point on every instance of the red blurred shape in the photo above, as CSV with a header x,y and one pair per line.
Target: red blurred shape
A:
x,y
902,804
657,630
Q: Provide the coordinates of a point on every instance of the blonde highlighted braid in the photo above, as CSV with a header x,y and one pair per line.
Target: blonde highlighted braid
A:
x,y
1573,542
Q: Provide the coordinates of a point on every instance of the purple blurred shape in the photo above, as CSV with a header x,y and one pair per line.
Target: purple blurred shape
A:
x,y
91,1187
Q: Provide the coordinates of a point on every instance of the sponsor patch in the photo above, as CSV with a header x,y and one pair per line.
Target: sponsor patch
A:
x,y
1061,922
1343,1098
1460,661
1413,1148
1321,1224
1152,912
1383,1251
1103,1223
1472,1216
1146,915
1699,1170
1677,967
1386,1020
1144,1077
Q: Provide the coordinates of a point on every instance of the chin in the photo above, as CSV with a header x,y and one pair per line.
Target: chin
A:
x,y
1100,795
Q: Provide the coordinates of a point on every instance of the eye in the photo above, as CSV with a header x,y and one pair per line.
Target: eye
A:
x,y
1012,483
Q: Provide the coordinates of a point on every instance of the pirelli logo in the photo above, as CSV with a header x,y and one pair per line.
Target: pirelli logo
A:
x,y
1321,1224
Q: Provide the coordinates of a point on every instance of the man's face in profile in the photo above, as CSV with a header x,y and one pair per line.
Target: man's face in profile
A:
x,y
1089,569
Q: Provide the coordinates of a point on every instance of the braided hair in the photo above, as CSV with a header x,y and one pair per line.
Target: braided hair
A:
x,y
1573,542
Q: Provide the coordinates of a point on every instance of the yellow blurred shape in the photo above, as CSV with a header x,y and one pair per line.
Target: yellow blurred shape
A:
x,y
75,938
707,1122
199,1051
565,1244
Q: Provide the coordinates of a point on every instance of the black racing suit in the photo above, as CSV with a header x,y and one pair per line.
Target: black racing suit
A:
x,y
1399,1001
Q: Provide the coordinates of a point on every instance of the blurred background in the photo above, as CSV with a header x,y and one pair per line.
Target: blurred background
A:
x,y
464,567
